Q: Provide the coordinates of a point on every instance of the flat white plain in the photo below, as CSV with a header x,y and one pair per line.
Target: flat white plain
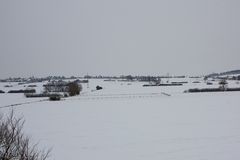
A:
x,y
131,122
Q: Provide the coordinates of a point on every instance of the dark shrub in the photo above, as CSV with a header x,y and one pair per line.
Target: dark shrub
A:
x,y
32,85
55,97
99,88
74,89
23,91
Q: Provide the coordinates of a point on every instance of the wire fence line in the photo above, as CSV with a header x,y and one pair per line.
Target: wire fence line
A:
x,y
98,97
120,96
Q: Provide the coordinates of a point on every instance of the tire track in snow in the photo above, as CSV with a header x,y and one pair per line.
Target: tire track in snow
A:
x,y
98,97
19,104
120,96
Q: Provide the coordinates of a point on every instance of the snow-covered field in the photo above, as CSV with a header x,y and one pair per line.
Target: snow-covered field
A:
x,y
126,121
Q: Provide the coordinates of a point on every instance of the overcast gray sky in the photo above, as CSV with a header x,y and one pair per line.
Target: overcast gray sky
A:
x,y
114,37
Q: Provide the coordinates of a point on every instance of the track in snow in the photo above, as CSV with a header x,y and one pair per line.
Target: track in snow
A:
x,y
120,96
19,104
99,97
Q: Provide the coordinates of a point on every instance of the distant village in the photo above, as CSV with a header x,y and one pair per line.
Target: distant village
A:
x,y
230,75
56,87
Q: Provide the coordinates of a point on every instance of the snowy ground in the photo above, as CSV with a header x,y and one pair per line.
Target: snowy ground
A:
x,y
126,121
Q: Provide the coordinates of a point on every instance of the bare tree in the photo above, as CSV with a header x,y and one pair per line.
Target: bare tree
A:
x,y
74,89
14,145
223,84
